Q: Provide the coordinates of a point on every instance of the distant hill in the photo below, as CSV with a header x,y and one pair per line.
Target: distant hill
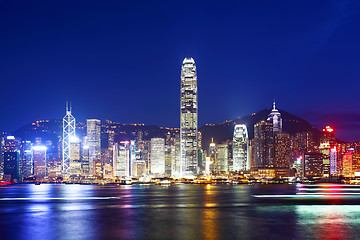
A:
x,y
52,130
224,131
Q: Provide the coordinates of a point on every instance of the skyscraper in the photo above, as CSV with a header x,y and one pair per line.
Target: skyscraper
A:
x,y
282,144
132,157
157,156
26,162
68,133
263,144
275,118
188,119
39,158
328,142
11,158
240,147
121,159
93,141
75,156
351,163
85,160
223,158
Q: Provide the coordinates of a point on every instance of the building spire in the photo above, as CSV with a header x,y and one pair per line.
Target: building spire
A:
x,y
274,105
68,107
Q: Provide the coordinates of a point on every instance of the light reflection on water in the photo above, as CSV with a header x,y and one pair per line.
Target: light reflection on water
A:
x,y
174,212
329,221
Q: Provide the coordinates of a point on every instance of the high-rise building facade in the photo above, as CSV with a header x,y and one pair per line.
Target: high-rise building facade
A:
x,y
68,133
314,164
26,161
212,153
263,144
282,143
188,119
85,160
93,141
132,157
351,163
11,158
169,159
240,148
328,142
40,163
75,156
121,159
157,155
223,158
275,118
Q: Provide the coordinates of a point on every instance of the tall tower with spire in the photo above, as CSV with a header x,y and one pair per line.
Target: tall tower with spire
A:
x,y
188,119
275,118
68,134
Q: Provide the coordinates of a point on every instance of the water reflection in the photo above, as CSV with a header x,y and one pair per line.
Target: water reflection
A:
x,y
209,220
329,221
174,212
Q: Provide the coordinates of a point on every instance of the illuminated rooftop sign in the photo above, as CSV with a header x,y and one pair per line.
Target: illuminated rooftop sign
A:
x,y
328,129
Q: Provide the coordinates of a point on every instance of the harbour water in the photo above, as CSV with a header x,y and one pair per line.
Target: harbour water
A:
x,y
259,211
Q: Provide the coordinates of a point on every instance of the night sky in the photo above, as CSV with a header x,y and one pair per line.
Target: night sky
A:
x,y
121,60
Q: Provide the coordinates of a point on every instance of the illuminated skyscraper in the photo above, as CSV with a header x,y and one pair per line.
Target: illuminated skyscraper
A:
x,y
333,161
85,160
132,157
328,148
11,157
223,158
93,140
213,154
263,145
240,147
68,133
169,159
282,144
157,155
39,158
121,159
26,161
275,118
75,156
188,119
351,163
314,166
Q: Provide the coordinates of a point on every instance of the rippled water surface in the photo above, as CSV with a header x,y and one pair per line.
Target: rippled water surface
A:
x,y
49,211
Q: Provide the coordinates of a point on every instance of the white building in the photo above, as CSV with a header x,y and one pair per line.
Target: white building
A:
x,y
68,133
275,118
157,155
93,127
241,159
223,158
75,156
121,159
188,119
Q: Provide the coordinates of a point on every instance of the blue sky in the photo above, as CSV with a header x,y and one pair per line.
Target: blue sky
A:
x,y
121,60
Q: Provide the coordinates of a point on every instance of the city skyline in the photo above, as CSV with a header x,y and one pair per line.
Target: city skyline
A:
x,y
245,59
180,119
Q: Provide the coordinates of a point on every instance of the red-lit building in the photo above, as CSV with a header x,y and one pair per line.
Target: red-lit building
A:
x,y
351,164
328,148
